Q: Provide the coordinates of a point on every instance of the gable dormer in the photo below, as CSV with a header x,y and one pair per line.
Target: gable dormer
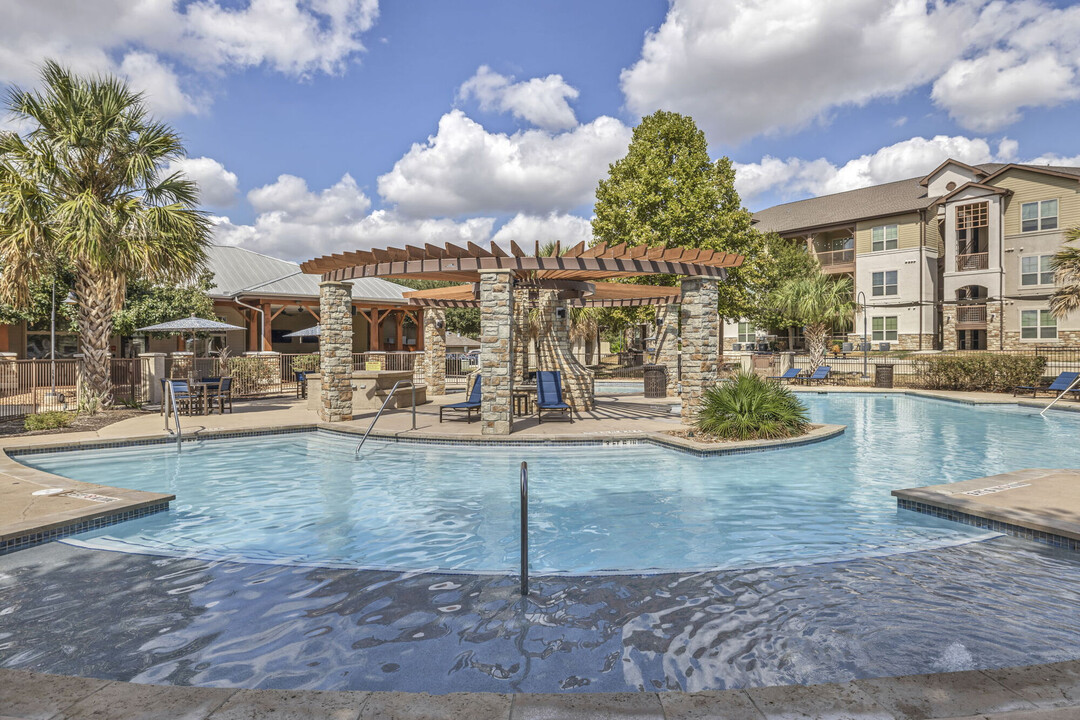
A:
x,y
948,176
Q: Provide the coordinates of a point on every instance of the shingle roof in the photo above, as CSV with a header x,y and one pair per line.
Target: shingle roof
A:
x,y
247,273
892,198
455,340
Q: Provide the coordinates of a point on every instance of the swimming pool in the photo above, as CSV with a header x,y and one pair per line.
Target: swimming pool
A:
x,y
807,591
619,387
304,498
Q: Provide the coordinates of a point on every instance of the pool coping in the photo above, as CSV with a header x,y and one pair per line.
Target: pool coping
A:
x,y
1005,503
1046,691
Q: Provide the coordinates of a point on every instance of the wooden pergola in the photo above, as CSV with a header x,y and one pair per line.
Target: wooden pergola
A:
x,y
492,277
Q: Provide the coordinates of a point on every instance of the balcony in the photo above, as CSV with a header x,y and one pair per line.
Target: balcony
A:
x,y
971,317
972,261
836,261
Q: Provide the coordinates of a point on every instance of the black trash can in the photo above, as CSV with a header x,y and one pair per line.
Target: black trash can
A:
x,y
883,376
655,381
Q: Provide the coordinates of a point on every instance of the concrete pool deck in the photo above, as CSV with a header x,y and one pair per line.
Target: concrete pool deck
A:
x,y
1036,692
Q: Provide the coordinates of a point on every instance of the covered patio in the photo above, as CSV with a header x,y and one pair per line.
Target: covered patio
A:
x,y
503,284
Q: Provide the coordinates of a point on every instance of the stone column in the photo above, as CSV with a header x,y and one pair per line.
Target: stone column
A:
x,y
948,333
153,372
435,350
667,343
577,381
496,338
700,341
335,351
521,335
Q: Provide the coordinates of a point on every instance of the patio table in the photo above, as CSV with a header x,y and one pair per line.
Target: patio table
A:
x,y
204,390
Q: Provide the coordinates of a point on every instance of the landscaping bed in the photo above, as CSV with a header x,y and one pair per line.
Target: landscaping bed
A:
x,y
79,423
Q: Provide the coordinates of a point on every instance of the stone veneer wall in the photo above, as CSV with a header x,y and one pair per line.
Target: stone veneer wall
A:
x,y
904,341
521,335
435,350
496,338
577,380
667,344
700,341
335,351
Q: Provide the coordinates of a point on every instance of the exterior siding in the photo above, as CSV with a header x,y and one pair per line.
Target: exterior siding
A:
x,y
1029,186
934,241
907,232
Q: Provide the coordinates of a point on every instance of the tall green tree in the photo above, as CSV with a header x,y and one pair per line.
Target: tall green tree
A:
x,y
667,190
818,303
150,303
86,185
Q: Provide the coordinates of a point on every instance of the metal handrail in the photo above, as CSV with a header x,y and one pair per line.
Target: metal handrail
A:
x,y
524,528
1063,394
393,391
169,397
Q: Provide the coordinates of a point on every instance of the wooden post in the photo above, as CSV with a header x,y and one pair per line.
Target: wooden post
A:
x,y
253,330
399,328
373,330
419,329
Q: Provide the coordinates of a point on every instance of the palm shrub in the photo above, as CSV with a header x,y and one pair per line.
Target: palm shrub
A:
x,y
1066,265
88,186
818,303
750,408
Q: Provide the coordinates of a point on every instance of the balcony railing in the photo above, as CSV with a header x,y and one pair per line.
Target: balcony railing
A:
x,y
836,257
973,261
971,314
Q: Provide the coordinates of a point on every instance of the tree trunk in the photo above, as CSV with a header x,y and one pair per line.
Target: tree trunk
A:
x,y
99,295
816,335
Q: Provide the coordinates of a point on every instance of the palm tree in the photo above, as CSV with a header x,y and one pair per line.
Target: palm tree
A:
x,y
818,303
1066,265
87,185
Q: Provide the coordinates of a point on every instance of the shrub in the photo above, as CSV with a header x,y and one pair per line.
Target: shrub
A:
x,y
749,408
48,420
250,374
306,363
986,372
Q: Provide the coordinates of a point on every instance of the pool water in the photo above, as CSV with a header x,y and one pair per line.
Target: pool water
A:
x,y
304,498
618,387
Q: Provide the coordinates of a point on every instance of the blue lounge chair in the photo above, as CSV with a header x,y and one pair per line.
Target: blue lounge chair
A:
x,y
549,394
820,375
789,375
473,403
1064,380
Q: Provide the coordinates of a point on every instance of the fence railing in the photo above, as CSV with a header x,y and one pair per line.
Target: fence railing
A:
x,y
971,314
836,257
973,261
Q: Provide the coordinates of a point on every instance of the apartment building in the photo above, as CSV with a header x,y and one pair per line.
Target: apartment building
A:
x,y
957,259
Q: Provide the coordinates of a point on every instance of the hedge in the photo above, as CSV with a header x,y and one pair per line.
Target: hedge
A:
x,y
987,372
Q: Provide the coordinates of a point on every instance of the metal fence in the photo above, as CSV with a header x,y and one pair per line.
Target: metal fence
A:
x,y
43,385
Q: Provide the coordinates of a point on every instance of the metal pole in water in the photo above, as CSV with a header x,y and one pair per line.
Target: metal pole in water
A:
x,y
524,528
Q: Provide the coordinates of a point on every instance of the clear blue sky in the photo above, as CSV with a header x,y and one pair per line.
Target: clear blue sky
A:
x,y
317,127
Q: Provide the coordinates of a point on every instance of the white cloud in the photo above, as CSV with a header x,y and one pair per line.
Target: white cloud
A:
x,y
295,222
146,40
527,230
217,186
544,102
760,66
159,82
463,169
795,177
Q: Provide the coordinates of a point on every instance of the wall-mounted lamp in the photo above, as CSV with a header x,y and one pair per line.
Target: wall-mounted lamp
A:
x,y
560,313
659,322
439,324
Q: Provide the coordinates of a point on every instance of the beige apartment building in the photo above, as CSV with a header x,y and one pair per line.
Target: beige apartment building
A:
x,y
956,260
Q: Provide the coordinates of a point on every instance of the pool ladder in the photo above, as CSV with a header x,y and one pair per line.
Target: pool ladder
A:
x,y
389,397
168,396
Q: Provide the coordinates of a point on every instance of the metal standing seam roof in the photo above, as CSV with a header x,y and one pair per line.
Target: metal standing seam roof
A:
x,y
894,198
238,271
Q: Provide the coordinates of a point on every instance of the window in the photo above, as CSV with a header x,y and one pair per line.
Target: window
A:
x,y
884,283
972,225
1042,215
884,237
1037,325
1036,270
883,328
747,332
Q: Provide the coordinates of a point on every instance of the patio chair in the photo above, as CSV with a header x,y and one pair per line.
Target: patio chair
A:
x,y
181,395
473,403
1060,385
737,347
820,375
790,374
845,348
301,383
222,396
884,347
863,347
549,395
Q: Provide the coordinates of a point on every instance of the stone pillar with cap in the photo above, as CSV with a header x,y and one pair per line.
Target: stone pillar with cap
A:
x,y
700,341
496,338
335,351
435,350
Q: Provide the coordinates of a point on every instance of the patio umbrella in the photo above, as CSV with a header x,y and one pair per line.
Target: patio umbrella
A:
x,y
189,324
306,332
